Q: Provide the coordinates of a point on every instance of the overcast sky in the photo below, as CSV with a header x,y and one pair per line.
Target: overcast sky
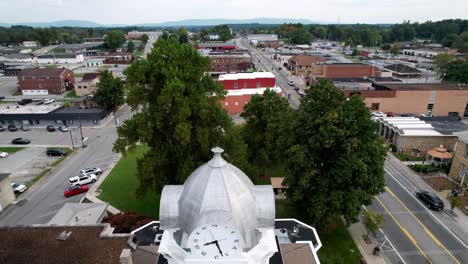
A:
x,y
154,11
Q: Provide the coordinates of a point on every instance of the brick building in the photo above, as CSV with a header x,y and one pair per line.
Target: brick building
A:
x,y
45,81
119,58
264,40
88,84
349,70
241,86
216,46
305,65
437,99
227,62
459,169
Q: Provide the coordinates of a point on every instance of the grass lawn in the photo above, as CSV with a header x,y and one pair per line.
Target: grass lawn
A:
x,y
407,157
335,238
51,66
10,150
57,162
120,186
71,94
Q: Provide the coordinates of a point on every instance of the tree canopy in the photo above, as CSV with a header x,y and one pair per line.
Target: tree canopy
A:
x,y
179,115
110,91
144,38
114,39
223,31
441,62
131,46
336,157
457,71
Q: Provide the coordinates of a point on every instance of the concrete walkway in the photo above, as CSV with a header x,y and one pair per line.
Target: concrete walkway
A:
x,y
357,231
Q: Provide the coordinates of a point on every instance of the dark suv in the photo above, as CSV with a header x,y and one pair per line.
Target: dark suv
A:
x,y
56,152
431,200
12,128
25,101
51,128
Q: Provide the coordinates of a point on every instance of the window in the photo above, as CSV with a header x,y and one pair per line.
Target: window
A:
x,y
258,84
79,86
429,108
236,103
236,85
375,106
226,103
245,85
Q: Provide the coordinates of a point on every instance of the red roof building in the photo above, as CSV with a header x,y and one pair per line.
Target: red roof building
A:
x,y
39,81
350,70
241,86
215,46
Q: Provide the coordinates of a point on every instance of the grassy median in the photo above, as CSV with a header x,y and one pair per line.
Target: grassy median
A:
x,y
119,188
10,150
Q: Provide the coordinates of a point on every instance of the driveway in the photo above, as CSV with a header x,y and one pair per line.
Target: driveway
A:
x,y
8,86
40,137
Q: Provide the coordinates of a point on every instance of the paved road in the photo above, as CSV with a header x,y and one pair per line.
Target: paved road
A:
x,y
149,46
266,63
418,234
39,204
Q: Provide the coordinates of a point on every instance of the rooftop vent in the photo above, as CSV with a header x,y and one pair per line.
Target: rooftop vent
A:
x,y
64,235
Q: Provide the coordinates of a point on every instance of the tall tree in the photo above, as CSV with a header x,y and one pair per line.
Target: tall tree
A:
x,y
144,38
182,35
110,91
301,36
441,62
395,49
336,159
131,46
223,31
179,115
268,117
114,39
457,71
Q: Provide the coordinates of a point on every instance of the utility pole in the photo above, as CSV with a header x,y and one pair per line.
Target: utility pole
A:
x,y
81,132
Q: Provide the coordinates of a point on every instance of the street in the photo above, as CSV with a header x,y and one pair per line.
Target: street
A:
x,y
417,234
40,203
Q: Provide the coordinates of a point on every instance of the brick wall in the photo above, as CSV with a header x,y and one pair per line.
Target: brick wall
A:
x,y
235,104
459,159
248,83
55,85
424,143
348,71
230,64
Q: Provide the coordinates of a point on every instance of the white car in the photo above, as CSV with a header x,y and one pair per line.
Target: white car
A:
x,y
83,179
18,188
96,171
3,154
49,101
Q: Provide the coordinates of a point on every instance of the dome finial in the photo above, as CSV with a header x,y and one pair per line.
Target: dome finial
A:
x,y
217,161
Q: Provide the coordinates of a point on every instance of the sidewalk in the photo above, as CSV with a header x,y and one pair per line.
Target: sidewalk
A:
x,y
461,220
356,231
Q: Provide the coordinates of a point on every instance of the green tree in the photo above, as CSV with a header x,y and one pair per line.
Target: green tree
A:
x,y
144,38
268,118
179,115
373,221
457,71
223,31
110,91
301,36
355,52
336,157
131,46
182,35
455,202
441,62
114,39
395,49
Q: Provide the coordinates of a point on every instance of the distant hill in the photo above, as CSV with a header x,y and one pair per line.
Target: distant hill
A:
x,y
178,23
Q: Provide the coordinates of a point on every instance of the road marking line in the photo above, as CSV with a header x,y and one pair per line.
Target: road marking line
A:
x,y
429,233
385,236
410,237
437,219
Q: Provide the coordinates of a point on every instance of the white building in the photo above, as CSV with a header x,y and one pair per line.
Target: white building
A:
x,y
60,58
18,57
30,44
94,63
213,37
220,216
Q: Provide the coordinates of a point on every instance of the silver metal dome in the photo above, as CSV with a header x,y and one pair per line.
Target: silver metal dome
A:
x,y
218,192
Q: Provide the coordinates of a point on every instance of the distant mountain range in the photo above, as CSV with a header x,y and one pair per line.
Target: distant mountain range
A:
x,y
178,23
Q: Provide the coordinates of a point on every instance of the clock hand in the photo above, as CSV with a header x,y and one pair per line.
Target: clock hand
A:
x,y
219,249
210,243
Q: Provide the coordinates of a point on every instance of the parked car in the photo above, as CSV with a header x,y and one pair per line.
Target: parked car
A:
x,y
25,128
12,128
291,83
96,171
63,129
89,96
301,93
390,114
3,155
20,141
49,101
25,101
18,188
378,114
296,88
83,179
40,102
75,190
51,128
280,68
56,152
430,200
2,129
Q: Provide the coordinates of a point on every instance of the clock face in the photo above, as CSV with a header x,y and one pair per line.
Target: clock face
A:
x,y
214,242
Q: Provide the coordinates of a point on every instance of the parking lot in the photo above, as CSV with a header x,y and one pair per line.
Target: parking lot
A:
x,y
8,86
41,137
26,164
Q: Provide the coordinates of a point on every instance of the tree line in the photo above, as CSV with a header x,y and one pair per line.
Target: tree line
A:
x,y
329,146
